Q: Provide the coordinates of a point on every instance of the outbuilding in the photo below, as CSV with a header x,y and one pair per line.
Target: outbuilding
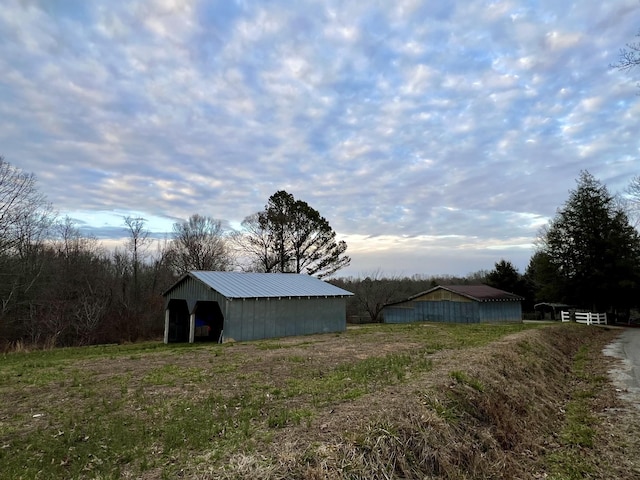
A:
x,y
217,306
457,304
550,310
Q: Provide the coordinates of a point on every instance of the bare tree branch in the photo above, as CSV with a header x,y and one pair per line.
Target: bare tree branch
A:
x,y
199,244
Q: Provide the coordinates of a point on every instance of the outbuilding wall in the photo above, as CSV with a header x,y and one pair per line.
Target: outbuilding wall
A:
x,y
432,311
420,310
506,312
253,319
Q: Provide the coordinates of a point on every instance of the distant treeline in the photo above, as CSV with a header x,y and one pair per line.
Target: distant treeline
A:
x,y
375,290
59,287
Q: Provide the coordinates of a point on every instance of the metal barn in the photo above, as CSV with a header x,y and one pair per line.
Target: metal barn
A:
x,y
457,304
217,306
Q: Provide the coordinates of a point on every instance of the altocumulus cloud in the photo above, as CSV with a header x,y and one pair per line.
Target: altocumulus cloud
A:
x,y
436,137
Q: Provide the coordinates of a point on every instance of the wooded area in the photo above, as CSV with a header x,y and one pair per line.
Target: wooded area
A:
x,y
59,287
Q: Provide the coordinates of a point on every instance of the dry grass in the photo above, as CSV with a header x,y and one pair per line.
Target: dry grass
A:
x,y
418,401
496,412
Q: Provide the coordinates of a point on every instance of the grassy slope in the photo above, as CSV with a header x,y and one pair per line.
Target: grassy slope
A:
x,y
448,401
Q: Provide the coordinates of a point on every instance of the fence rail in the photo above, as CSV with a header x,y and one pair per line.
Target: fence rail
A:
x,y
589,318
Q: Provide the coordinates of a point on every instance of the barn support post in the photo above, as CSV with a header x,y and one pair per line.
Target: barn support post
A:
x,y
192,327
166,326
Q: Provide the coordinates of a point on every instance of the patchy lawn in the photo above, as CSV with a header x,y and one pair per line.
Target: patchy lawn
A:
x,y
380,401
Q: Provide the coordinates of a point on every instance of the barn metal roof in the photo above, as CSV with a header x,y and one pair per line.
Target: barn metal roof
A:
x,y
265,285
552,305
482,293
478,293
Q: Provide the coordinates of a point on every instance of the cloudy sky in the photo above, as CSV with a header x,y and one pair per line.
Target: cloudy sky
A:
x,y
436,137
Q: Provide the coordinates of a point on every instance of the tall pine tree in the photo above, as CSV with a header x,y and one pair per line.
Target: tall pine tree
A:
x,y
294,237
593,249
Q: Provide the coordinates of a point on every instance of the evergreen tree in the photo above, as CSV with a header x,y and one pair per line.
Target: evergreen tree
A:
x,y
298,238
542,279
593,250
505,277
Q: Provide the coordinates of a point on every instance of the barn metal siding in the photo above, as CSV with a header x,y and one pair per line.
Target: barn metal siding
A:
x,y
432,311
506,312
446,311
457,304
253,319
453,312
400,314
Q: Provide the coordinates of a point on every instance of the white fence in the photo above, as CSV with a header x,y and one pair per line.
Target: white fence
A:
x,y
586,317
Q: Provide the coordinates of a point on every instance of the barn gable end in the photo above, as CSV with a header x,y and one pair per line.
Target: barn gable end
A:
x,y
456,304
441,294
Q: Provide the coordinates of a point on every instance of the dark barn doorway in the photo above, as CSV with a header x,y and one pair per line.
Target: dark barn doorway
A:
x,y
209,322
178,321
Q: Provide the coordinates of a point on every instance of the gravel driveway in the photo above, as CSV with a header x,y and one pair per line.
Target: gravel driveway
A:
x,y
626,375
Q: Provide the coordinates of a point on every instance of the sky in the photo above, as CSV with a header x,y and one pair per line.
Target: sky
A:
x,y
435,137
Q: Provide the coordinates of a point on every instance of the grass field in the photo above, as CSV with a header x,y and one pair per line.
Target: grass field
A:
x,y
379,401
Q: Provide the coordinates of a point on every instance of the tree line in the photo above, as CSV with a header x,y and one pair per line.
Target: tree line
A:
x,y
587,257
59,287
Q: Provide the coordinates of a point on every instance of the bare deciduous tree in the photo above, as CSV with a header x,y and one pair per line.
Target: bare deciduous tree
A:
x,y
372,292
199,243
255,244
25,221
84,287
633,201
24,211
629,57
137,244
375,291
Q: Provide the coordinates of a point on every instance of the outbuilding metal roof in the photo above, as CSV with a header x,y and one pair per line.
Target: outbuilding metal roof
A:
x,y
479,293
552,305
265,285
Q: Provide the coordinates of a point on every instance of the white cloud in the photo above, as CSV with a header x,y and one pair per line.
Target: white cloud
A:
x,y
412,126
562,40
